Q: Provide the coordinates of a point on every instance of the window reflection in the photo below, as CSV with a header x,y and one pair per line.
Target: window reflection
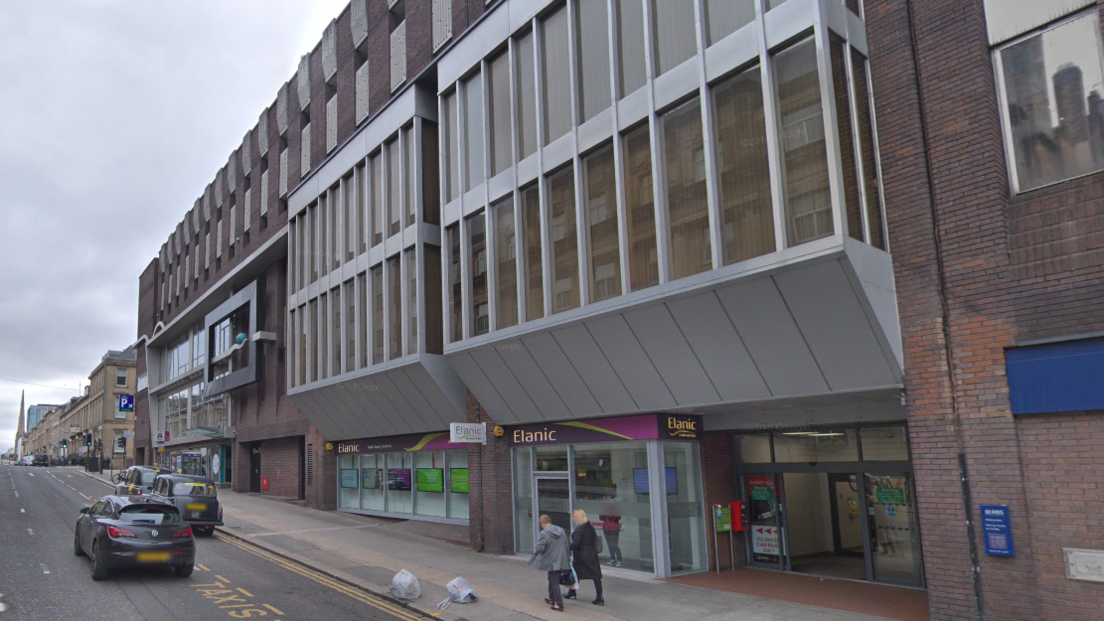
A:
x,y
601,213
534,274
564,241
688,209
506,258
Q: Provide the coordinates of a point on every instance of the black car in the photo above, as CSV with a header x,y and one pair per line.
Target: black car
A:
x,y
121,531
40,459
195,497
136,480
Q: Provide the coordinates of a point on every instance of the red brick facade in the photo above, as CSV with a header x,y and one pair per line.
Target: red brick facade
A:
x,y
491,511
978,272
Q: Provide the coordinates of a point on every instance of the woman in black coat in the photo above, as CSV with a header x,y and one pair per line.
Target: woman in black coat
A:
x,y
584,550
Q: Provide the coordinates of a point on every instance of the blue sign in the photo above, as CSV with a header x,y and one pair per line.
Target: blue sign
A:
x,y
126,403
996,528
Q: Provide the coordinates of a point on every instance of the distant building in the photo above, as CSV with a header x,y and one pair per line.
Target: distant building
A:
x,y
36,412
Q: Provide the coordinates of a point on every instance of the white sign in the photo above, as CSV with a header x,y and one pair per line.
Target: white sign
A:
x,y
764,540
128,433
468,433
216,464
160,438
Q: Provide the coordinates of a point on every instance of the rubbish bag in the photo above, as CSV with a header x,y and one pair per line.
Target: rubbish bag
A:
x,y
406,586
461,591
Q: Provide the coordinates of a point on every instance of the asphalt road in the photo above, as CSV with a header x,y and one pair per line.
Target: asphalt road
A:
x,y
41,579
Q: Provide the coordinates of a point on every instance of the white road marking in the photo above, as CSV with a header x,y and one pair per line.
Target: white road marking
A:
x,y
45,569
85,497
30,531
17,494
52,474
69,475
71,487
31,473
22,510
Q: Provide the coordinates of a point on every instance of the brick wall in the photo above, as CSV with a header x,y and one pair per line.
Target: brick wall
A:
x,y
282,463
491,522
718,476
977,272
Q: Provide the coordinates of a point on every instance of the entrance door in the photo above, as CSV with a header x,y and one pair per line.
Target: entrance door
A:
x,y
894,533
846,519
552,498
255,468
765,533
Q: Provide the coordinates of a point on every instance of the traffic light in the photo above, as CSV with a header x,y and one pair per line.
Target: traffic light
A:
x,y
88,439
122,443
64,443
99,444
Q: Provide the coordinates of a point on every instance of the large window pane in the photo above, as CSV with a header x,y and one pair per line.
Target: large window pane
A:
x,y
687,204
630,35
291,350
804,152
604,487
526,96
431,189
1054,112
524,532
346,470
394,188
429,483
640,210
564,240
452,147
534,274
302,344
604,245
455,286
377,315
852,204
686,520
725,17
323,338
372,483
865,122
506,258
313,331
815,446
434,328
411,258
364,301
747,217
349,215
323,211
473,132
675,38
349,295
360,179
394,307
502,155
457,488
594,62
884,443
477,264
410,175
335,329
557,75
400,482
312,241
375,192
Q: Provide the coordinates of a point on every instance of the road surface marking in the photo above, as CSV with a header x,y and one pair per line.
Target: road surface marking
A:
x,y
203,567
45,569
85,497
30,531
351,592
31,473
275,610
70,487
69,475
223,579
313,530
22,510
245,593
17,494
52,474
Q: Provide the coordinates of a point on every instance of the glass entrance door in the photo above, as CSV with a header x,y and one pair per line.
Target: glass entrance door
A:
x,y
765,533
893,530
553,498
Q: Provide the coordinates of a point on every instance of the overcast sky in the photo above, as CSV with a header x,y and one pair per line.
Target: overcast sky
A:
x,y
115,116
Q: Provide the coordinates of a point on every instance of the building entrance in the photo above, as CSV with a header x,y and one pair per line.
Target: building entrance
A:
x,y
836,503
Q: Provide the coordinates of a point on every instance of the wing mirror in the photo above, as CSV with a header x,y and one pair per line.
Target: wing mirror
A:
x,y
84,509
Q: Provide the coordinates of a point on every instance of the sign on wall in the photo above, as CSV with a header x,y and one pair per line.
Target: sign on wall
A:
x,y
764,543
468,433
126,403
996,527
622,428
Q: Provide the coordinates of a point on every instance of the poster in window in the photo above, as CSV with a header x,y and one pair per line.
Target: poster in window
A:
x,y
398,479
431,480
642,484
348,478
459,480
371,478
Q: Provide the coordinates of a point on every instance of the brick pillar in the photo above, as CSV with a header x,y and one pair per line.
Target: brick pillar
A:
x,y
491,514
717,480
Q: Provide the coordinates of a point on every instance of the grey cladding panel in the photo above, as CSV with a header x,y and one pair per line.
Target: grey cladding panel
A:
x,y
718,346
544,396
282,109
592,366
481,387
342,412
521,406
552,360
835,326
359,22
367,417
630,362
416,399
672,356
772,338
320,418
303,82
401,407
446,393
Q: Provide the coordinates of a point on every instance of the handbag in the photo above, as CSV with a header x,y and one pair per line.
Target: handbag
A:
x,y
567,577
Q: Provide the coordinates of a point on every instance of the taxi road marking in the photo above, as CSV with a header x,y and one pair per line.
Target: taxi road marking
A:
x,y
352,592
244,592
222,579
275,610
45,569
202,567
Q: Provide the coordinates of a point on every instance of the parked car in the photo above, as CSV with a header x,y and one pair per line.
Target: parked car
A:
x,y
137,480
28,460
127,531
40,459
195,497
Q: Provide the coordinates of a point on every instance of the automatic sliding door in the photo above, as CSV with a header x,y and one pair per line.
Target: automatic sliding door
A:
x,y
894,533
765,532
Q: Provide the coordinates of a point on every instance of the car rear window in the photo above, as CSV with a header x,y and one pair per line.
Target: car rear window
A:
x,y
194,488
149,514
148,476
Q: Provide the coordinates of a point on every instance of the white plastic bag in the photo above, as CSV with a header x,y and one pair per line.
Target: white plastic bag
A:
x,y
460,591
406,586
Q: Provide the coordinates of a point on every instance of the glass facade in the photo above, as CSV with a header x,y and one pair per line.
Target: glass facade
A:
x,y
429,484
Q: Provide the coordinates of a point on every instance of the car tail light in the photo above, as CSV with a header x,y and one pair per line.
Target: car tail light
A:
x,y
116,533
187,532
137,491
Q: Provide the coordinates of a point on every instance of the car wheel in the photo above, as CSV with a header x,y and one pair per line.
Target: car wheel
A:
x,y
184,570
99,569
76,544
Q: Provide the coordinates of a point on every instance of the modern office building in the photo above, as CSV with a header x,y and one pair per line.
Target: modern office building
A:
x,y
36,412
837,259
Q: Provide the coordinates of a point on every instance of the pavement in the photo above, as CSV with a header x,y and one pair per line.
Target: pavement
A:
x,y
42,580
366,552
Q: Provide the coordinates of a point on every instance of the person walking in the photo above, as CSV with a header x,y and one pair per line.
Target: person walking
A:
x,y
611,529
550,554
584,547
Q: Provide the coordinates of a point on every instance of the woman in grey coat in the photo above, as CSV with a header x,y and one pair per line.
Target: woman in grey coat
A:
x,y
550,554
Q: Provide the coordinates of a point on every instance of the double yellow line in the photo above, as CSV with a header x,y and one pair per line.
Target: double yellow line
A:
x,y
352,592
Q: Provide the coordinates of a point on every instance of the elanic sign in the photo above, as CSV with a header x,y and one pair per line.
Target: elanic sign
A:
x,y
468,433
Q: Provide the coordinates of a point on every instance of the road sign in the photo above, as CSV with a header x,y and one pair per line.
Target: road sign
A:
x,y
126,403
160,438
996,525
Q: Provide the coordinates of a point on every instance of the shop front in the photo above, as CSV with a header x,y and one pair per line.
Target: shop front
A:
x,y
637,477
211,460
419,476
833,502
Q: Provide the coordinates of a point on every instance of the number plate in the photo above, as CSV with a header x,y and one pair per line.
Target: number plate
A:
x,y
153,557
196,514
195,506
